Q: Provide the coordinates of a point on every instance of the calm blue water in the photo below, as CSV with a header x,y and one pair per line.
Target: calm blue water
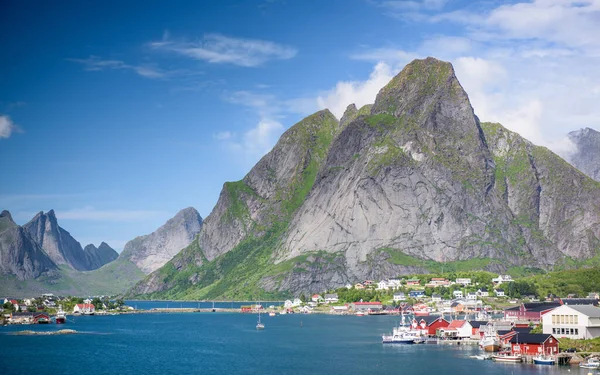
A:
x,y
219,343
147,305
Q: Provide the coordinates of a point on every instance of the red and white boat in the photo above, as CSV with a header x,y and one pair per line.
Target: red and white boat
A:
x,y
61,316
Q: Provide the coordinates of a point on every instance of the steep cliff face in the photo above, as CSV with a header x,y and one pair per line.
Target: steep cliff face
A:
x,y
96,257
273,189
587,156
20,256
400,186
152,251
56,242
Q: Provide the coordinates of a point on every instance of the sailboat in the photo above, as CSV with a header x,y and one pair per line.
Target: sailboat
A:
x,y
259,325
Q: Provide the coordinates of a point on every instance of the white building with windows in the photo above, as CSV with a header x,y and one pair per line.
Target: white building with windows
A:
x,y
399,296
457,294
502,279
463,281
573,321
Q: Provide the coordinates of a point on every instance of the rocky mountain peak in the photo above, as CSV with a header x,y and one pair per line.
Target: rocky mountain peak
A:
x,y
152,251
586,157
6,221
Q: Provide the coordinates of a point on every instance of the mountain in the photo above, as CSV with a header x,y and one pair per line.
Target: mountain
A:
x,y
96,257
412,182
152,251
19,254
62,248
587,156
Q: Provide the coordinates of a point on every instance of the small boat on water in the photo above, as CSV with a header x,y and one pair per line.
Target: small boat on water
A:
x,y
259,325
359,313
61,316
481,357
513,358
272,313
592,363
543,360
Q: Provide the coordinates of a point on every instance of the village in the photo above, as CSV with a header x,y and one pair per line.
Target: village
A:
x,y
457,311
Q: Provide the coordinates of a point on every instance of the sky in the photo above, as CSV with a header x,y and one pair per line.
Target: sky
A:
x,y
119,114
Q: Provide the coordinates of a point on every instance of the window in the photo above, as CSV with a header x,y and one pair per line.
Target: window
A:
x,y
570,319
562,331
577,331
576,319
553,319
553,329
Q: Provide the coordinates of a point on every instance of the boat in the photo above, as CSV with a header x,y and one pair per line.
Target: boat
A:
x,y
359,313
403,334
259,325
481,357
543,360
490,341
272,313
513,358
592,363
61,316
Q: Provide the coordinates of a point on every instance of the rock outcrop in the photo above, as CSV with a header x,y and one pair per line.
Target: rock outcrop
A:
x,y
587,156
20,255
152,251
96,257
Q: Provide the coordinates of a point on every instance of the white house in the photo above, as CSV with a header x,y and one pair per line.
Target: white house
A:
x,y
306,309
471,296
458,294
288,304
348,286
331,298
383,285
339,309
573,321
500,293
460,329
296,302
483,292
84,308
463,281
394,283
436,297
502,279
399,296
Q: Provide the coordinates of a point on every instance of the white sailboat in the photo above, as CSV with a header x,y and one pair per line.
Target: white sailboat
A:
x,y
259,325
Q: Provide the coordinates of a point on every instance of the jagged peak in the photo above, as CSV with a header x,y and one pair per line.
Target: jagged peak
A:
x,y
90,247
6,214
413,88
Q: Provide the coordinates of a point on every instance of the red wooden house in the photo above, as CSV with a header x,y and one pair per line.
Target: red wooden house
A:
x,y
430,324
533,344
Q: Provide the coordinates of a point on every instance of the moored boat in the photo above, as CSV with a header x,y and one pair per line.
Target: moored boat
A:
x,y
359,313
592,363
61,316
542,360
514,358
272,313
490,341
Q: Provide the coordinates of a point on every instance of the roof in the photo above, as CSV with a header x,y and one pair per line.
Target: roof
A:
x,y
530,338
589,310
429,319
477,323
27,313
580,301
399,294
457,323
367,303
483,289
499,290
334,295
436,295
536,306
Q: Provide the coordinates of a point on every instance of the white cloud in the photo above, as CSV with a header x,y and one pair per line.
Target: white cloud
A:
x,y
357,92
95,63
221,49
6,126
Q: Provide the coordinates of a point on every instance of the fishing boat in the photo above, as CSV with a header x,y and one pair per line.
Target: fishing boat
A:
x,y
513,358
403,334
61,316
490,341
543,360
592,363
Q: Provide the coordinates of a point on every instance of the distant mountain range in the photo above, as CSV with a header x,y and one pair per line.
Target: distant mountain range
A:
x,y
405,185
41,256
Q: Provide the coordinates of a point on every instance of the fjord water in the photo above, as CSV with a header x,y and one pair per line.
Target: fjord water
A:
x,y
228,343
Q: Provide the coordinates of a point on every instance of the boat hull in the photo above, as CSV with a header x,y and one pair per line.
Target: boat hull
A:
x,y
491,348
507,358
544,361
60,320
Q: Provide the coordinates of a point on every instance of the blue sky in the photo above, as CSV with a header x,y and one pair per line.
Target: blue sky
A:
x,y
119,114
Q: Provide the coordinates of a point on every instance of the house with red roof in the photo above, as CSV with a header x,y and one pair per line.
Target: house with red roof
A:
x,y
534,344
429,325
458,329
366,306
84,308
